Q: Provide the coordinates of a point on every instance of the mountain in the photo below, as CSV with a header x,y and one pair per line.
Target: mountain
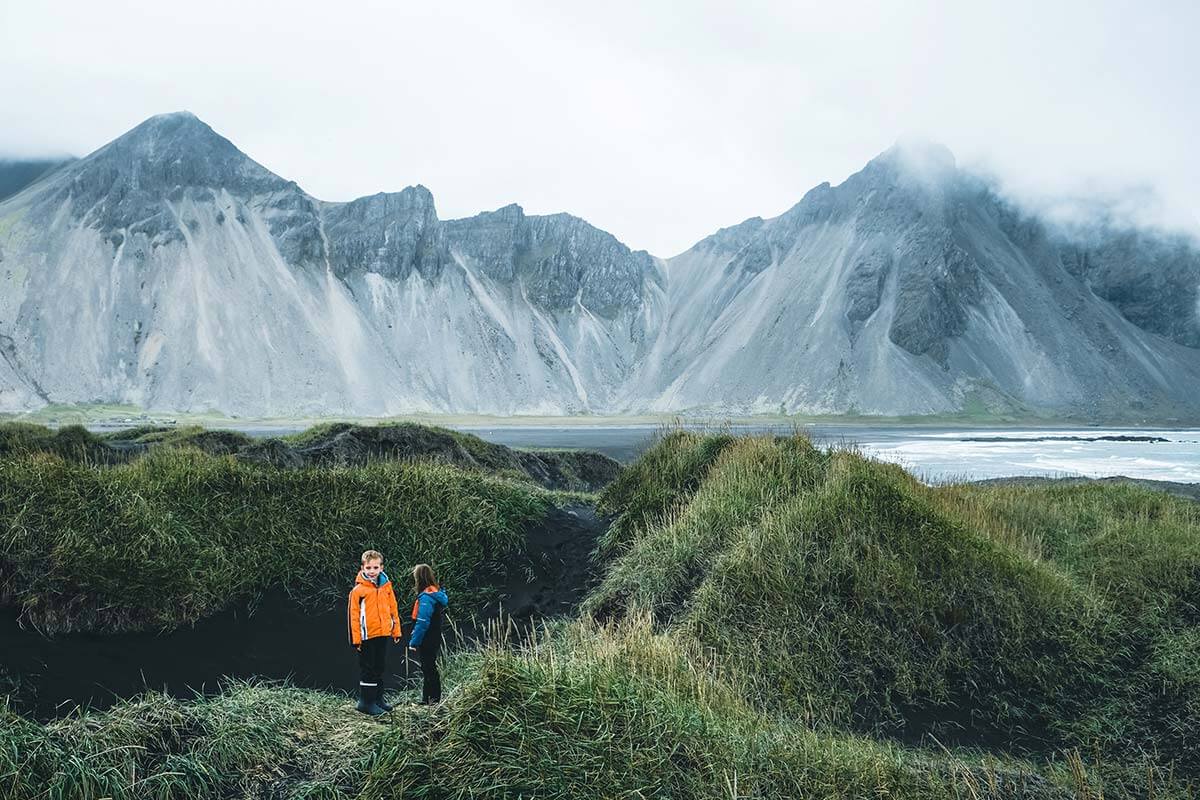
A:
x,y
913,289
170,271
16,174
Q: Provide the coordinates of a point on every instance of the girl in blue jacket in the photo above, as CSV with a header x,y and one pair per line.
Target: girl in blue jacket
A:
x,y
426,638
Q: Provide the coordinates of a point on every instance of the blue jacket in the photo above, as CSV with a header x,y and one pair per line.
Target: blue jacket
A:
x,y
424,607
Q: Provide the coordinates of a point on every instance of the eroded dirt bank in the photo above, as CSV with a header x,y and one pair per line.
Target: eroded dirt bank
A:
x,y
279,639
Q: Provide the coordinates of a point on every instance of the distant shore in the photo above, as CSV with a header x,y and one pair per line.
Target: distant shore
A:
x,y
102,417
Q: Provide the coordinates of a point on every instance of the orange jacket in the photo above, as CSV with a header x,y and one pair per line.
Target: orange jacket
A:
x,y
371,610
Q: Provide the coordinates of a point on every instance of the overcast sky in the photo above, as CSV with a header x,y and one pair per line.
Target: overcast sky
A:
x,y
659,122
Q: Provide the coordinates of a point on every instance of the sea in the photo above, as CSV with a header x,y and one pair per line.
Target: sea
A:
x,y
935,454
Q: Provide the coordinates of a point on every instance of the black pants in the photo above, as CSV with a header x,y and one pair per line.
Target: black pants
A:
x,y
431,688
372,661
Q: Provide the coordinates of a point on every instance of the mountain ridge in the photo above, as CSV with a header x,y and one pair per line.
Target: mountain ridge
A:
x,y
188,277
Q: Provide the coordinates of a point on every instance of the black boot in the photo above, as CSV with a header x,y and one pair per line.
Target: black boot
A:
x,y
366,700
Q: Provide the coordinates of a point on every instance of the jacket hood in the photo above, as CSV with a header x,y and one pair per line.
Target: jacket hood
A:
x,y
365,581
438,594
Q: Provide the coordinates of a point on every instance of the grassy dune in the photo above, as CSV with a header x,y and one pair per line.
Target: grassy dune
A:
x,y
586,713
322,445
178,534
841,591
775,621
664,477
73,442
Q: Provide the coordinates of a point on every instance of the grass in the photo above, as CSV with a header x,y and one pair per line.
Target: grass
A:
x,y
185,435
656,485
585,711
179,534
158,747
71,442
316,432
842,592
886,615
1137,551
485,452
623,712
76,443
76,440
1135,546
775,620
575,468
392,441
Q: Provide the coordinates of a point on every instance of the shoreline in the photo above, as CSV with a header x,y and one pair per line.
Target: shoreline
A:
x,y
109,417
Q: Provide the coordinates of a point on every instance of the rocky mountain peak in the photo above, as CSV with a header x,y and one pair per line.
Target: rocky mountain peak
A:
x,y
915,173
384,206
389,233
733,238
510,213
165,154
168,126
174,150
164,159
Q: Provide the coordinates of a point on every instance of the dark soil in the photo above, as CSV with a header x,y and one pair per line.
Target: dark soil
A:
x,y
557,570
279,639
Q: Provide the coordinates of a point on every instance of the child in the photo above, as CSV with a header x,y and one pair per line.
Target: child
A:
x,y
372,617
426,637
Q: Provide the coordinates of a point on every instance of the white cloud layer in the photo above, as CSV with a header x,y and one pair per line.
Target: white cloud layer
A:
x,y
657,121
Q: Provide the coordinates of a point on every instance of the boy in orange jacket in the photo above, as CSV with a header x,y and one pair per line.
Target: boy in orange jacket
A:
x,y
372,618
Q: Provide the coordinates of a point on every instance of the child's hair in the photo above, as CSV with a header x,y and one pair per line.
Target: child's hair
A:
x,y
372,555
423,576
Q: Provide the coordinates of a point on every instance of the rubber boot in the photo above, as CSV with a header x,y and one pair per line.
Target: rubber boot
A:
x,y
366,700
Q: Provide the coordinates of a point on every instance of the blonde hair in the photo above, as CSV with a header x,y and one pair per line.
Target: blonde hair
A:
x,y
372,555
423,576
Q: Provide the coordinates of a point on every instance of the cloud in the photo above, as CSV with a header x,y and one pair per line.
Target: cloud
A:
x,y
655,121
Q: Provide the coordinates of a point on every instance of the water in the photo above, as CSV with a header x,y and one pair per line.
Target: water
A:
x,y
935,454
938,456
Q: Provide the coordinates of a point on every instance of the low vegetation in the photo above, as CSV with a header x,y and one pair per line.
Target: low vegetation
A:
x,y
179,534
841,591
618,711
71,442
330,444
775,620
661,481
